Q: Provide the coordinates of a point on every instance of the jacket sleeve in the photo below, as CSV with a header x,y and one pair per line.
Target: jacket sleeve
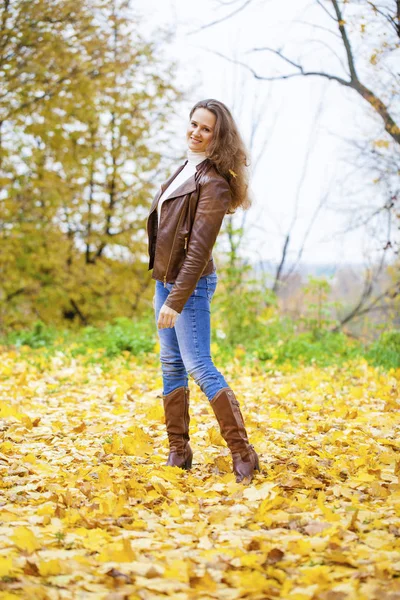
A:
x,y
213,203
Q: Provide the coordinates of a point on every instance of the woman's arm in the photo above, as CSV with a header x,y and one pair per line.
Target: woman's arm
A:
x,y
213,203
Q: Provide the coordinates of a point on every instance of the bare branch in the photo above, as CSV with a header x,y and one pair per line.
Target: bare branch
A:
x,y
78,311
279,270
320,205
389,18
398,17
326,10
314,26
15,293
362,309
299,67
335,54
217,21
228,3
310,145
346,41
391,126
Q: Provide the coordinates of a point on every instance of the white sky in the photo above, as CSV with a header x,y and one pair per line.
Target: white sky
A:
x,y
290,128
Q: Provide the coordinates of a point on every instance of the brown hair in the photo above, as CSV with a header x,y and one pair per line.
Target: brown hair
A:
x,y
227,152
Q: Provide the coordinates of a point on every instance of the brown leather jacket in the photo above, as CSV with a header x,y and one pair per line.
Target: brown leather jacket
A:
x,y
180,250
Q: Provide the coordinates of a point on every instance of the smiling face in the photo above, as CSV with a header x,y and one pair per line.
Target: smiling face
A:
x,y
200,131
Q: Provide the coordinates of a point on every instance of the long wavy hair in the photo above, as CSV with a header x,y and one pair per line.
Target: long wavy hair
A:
x,y
228,153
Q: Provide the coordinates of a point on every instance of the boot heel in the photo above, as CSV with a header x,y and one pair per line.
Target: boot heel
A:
x,y
257,465
188,463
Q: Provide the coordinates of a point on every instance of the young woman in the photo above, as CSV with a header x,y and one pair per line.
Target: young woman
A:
x,y
183,223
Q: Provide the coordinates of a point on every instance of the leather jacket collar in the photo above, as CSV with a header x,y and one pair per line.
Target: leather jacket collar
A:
x,y
187,186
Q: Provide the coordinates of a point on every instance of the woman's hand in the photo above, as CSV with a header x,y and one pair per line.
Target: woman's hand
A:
x,y
167,317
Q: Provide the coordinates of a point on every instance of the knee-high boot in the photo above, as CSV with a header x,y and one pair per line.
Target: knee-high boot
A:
x,y
176,409
227,410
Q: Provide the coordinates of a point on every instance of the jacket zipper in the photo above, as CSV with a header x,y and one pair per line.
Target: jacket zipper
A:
x,y
172,247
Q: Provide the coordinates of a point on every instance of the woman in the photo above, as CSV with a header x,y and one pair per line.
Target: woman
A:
x,y
184,220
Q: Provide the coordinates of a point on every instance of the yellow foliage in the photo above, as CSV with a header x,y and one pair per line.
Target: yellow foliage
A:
x,y
382,143
117,552
136,446
215,438
6,566
177,570
98,510
25,539
48,568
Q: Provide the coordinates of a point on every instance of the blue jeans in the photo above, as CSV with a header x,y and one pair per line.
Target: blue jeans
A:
x,y
185,348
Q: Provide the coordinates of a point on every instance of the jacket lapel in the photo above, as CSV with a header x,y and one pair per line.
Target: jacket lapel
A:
x,y
164,187
187,187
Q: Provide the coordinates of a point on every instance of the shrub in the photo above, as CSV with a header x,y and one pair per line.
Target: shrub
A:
x,y
122,334
385,351
39,336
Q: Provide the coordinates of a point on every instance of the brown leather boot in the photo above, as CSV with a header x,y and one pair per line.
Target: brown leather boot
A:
x,y
227,410
176,409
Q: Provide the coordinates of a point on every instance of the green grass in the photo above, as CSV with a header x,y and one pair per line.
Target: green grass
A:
x,y
276,343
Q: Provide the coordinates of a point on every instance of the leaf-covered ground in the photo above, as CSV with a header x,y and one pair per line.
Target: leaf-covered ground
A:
x,y
88,510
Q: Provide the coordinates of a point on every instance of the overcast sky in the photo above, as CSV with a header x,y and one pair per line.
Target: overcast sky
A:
x,y
303,123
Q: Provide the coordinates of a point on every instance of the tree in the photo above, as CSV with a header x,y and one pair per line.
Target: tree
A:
x,y
362,38
83,106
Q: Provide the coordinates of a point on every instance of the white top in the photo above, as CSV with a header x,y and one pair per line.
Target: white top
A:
x,y
194,159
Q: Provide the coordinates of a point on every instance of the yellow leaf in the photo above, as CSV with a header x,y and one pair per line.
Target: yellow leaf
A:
x,y
105,479
381,144
318,574
45,509
119,410
6,565
251,581
31,458
117,552
251,560
25,539
326,511
155,413
8,516
173,510
116,445
377,490
93,539
214,348
302,547
260,493
239,352
138,433
7,447
223,464
47,568
363,476
177,570
215,437
205,583
8,410
136,445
